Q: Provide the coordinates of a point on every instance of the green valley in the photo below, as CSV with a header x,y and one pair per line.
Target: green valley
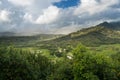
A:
x,y
88,54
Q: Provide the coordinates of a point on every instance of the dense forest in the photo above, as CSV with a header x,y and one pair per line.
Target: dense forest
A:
x,y
83,64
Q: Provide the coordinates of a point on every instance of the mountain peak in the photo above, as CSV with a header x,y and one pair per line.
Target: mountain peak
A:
x,y
111,25
105,24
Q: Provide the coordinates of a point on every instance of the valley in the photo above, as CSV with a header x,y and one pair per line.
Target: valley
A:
x,y
93,51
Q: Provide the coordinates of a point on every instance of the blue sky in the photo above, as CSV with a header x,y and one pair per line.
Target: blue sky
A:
x,y
55,16
67,3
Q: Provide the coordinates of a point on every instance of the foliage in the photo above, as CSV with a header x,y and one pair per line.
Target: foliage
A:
x,y
62,71
17,64
93,66
95,63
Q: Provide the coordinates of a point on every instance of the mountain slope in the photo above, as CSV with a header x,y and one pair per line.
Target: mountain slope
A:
x,y
25,40
104,33
111,25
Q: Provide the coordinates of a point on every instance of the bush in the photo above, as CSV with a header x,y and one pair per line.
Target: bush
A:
x,y
17,64
93,66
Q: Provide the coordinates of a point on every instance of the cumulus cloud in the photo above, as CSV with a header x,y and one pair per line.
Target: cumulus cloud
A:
x,y
0,2
28,17
4,16
49,15
21,2
42,16
94,6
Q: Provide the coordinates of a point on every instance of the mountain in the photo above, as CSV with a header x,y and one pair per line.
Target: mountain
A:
x,y
12,38
101,34
111,25
104,33
3,34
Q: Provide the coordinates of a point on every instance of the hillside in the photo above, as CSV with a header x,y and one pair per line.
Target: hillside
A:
x,y
101,34
25,40
104,33
111,25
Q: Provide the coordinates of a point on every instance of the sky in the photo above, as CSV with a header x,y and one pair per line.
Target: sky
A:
x,y
55,16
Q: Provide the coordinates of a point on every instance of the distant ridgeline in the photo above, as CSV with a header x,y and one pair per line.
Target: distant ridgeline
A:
x,y
104,33
101,34
7,34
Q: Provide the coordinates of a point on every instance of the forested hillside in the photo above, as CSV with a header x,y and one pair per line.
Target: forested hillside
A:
x,y
94,36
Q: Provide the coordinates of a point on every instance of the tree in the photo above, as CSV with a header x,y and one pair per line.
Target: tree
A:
x,y
92,66
17,64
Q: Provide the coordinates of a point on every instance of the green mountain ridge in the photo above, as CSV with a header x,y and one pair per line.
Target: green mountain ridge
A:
x,y
104,33
111,25
101,34
26,40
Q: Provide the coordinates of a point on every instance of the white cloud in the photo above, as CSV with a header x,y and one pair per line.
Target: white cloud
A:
x,y
93,6
49,15
42,16
66,29
21,2
0,2
32,2
4,16
28,17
